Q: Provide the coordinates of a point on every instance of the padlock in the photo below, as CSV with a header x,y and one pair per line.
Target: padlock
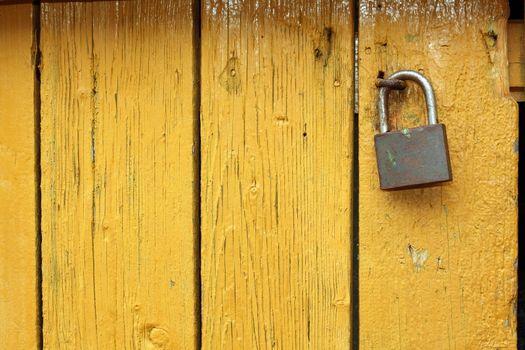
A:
x,y
415,157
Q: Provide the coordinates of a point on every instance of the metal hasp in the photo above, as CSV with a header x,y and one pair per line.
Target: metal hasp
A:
x,y
415,157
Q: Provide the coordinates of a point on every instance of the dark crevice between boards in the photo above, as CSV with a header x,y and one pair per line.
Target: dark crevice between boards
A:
x,y
517,13
355,192
36,58
355,237
516,9
197,226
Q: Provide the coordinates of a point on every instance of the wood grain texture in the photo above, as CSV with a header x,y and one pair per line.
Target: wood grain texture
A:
x,y
438,265
118,206
18,214
516,55
277,110
516,51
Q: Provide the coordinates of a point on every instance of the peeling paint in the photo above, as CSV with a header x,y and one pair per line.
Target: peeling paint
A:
x,y
440,263
411,38
419,257
491,37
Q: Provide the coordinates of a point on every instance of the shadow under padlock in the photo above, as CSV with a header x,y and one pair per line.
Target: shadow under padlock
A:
x,y
411,157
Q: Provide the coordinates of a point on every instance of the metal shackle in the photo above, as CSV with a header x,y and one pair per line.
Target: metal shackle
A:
x,y
382,103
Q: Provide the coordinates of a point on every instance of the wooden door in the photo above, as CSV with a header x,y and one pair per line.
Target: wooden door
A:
x,y
195,174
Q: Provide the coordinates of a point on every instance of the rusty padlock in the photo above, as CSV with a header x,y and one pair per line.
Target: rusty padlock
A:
x,y
416,157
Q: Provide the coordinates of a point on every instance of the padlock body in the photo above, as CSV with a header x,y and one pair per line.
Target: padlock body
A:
x,y
416,157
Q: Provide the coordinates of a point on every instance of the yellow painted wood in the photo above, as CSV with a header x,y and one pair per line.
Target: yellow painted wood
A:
x,y
277,111
18,215
118,204
438,265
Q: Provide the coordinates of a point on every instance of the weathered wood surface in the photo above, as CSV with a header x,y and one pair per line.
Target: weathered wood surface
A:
x,y
118,204
277,110
438,265
516,50
19,318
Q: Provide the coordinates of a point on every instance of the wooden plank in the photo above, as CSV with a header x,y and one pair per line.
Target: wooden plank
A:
x,y
18,208
516,54
438,265
277,110
516,50
118,213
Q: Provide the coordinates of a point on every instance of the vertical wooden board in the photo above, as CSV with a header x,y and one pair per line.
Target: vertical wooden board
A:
x,y
118,175
18,214
276,126
438,265
516,53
